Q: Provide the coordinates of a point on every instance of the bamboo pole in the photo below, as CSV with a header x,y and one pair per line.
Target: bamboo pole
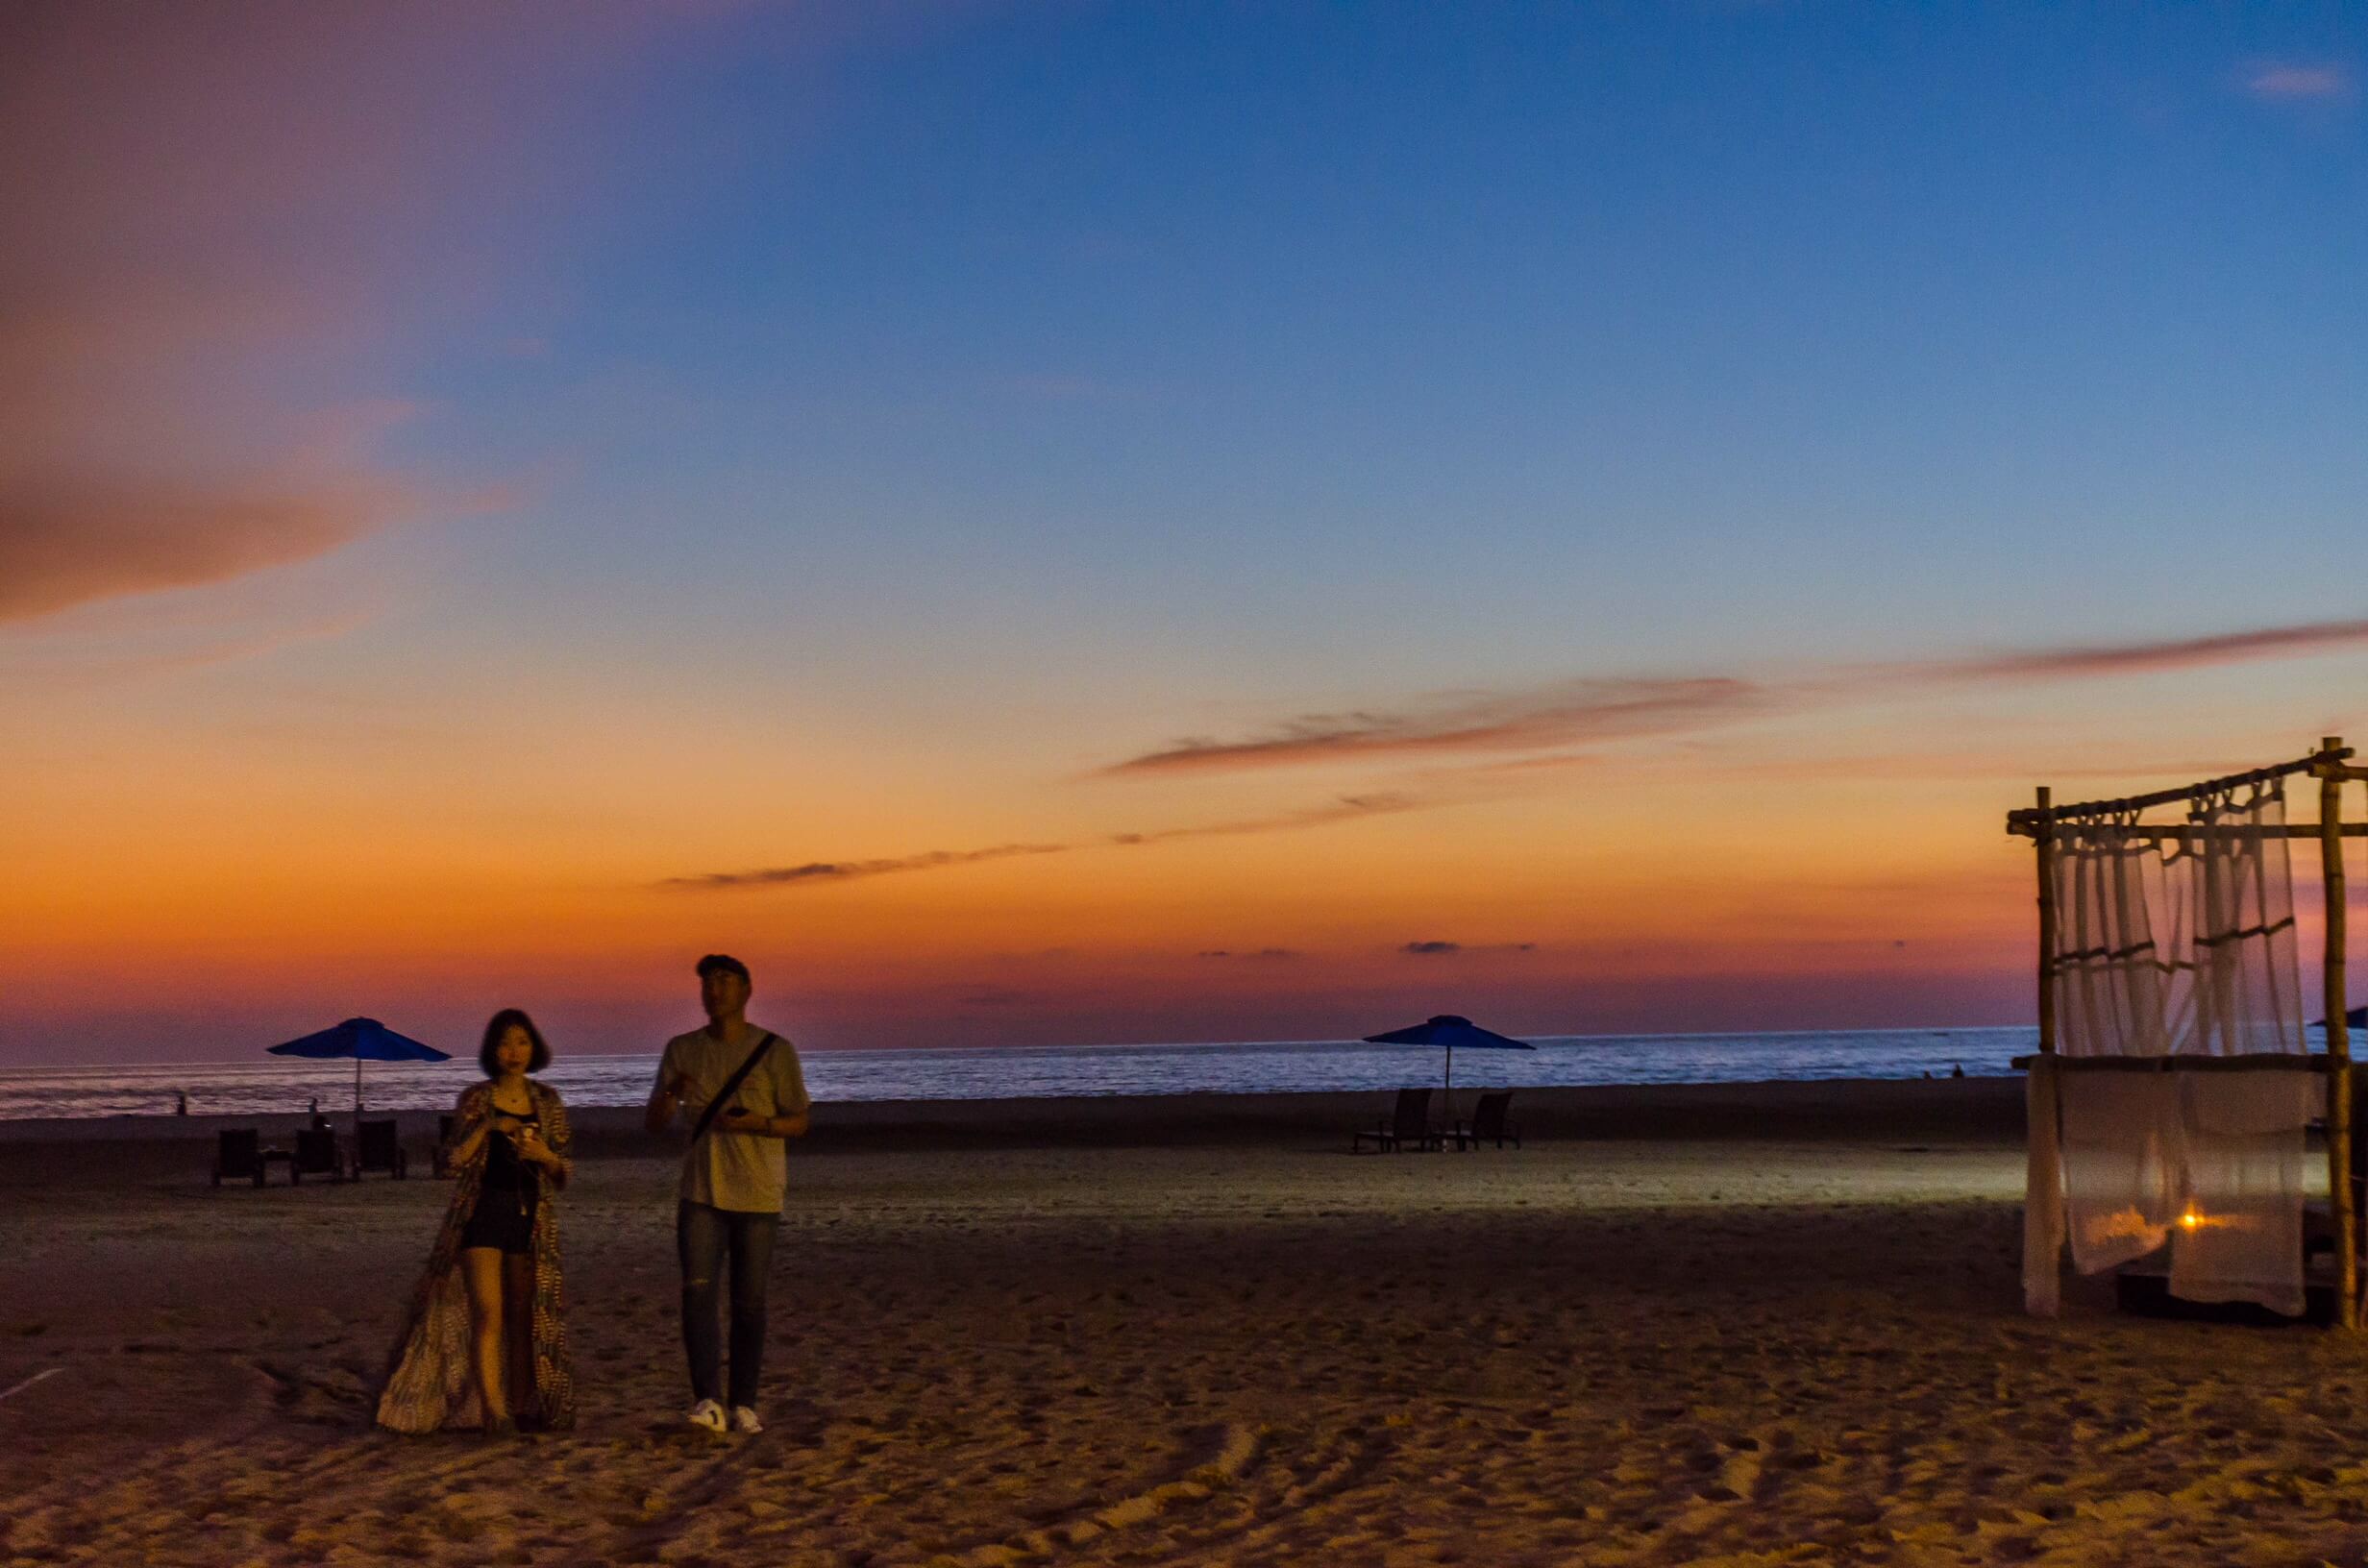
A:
x,y
2314,765
2044,837
2195,833
2340,1198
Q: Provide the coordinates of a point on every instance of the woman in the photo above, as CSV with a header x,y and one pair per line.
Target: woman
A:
x,y
484,1343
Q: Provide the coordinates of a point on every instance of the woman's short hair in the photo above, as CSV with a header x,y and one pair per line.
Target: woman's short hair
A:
x,y
500,1025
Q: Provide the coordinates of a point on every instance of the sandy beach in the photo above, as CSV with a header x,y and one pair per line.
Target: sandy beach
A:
x,y
1734,1325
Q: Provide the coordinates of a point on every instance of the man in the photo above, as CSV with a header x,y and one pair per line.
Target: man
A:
x,y
729,1203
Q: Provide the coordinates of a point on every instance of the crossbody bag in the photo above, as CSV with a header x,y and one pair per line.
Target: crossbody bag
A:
x,y
731,1086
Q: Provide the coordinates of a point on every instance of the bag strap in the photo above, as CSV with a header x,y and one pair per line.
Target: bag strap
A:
x,y
731,1086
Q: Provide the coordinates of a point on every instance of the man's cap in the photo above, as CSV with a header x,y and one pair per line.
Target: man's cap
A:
x,y
724,962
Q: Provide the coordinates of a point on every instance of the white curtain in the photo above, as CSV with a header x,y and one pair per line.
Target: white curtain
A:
x,y
2124,1165
2239,1234
2169,948
2247,992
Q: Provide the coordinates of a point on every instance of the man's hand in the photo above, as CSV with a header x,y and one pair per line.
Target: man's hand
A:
x,y
664,1101
745,1121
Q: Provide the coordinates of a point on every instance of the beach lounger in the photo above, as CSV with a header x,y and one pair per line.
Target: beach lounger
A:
x,y
238,1155
380,1149
316,1155
1407,1126
1488,1124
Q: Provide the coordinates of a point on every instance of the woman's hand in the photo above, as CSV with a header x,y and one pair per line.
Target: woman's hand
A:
x,y
531,1146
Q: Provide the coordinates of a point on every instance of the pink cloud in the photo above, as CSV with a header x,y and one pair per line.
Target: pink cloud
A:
x,y
1565,714
1554,723
212,206
67,543
2288,82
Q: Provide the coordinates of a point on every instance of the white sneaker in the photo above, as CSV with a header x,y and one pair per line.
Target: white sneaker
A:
x,y
744,1421
707,1413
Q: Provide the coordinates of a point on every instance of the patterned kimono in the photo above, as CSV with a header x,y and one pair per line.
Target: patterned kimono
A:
x,y
429,1383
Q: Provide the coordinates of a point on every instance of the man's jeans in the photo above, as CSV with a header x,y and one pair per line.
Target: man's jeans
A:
x,y
702,1237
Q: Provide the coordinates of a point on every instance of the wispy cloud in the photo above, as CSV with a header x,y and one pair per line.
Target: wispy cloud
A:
x,y
66,543
2286,81
1552,725
2074,661
851,871
80,670
1347,808
1569,712
1458,949
1254,955
223,232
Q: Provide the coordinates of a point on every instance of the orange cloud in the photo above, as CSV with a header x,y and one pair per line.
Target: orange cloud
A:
x,y
1347,808
849,870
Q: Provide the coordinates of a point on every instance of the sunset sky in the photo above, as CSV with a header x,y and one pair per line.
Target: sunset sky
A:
x,y
1072,522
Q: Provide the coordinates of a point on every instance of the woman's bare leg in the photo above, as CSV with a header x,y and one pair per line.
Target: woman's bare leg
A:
x,y
480,1268
518,1334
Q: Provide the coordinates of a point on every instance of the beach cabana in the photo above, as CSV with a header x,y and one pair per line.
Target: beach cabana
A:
x,y
2174,1085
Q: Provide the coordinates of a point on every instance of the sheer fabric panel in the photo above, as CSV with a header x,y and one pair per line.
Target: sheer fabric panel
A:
x,y
2124,1165
2169,946
2247,992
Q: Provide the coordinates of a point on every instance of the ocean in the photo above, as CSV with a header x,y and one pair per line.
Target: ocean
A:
x,y
271,1085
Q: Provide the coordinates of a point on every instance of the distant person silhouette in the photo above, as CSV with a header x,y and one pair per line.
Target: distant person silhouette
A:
x,y
181,1102
1957,1070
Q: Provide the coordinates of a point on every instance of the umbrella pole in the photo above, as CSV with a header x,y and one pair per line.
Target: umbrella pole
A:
x,y
1450,1085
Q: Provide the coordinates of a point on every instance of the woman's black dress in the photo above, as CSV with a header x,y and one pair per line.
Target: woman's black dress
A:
x,y
506,1196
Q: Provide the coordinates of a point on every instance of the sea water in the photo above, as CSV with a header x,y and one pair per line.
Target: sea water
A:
x,y
271,1085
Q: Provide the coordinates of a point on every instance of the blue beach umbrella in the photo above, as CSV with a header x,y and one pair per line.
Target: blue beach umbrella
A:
x,y
364,1040
1449,1033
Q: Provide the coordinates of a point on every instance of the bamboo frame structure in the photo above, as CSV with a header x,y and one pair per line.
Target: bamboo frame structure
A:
x,y
2331,766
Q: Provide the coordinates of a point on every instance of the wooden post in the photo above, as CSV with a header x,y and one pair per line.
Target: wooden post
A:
x,y
2338,1046
2045,839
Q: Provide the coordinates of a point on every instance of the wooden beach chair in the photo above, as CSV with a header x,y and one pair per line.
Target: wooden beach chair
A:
x,y
1409,1126
380,1149
316,1155
1488,1124
238,1155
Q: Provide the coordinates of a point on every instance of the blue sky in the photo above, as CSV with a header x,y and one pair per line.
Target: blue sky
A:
x,y
922,409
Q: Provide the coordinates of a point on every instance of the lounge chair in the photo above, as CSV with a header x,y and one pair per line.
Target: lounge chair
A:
x,y
1409,1125
316,1155
1488,1124
380,1149
238,1155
